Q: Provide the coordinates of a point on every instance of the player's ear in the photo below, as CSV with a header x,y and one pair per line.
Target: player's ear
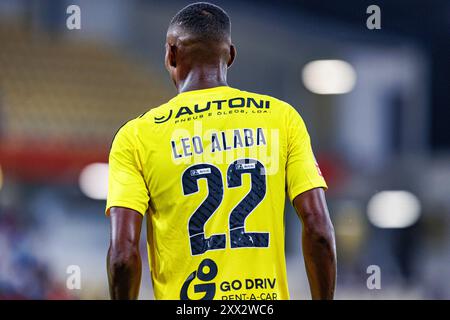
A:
x,y
170,59
232,55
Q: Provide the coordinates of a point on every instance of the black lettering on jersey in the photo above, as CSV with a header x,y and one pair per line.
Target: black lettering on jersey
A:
x,y
220,141
216,105
237,139
174,150
162,119
219,103
206,108
248,137
224,140
186,146
260,139
197,143
251,101
208,288
215,145
236,103
183,111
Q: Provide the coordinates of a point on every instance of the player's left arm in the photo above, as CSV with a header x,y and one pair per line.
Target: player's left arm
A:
x,y
124,259
318,241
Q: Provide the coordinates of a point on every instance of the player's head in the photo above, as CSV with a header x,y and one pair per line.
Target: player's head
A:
x,y
199,35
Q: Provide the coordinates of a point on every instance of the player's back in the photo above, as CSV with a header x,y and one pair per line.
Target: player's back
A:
x,y
211,168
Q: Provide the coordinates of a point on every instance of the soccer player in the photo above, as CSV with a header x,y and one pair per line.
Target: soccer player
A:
x,y
210,170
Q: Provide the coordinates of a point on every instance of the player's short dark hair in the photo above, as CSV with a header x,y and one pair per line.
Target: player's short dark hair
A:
x,y
204,20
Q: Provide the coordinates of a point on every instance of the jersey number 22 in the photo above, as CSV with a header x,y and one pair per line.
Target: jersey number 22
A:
x,y
238,237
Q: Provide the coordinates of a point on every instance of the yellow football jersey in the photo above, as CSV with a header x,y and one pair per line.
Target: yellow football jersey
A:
x,y
210,169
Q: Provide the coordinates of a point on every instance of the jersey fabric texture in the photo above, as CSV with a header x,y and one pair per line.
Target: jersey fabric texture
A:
x,y
210,170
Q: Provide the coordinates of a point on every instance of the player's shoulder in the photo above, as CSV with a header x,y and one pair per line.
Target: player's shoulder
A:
x,y
133,126
276,102
154,114
159,114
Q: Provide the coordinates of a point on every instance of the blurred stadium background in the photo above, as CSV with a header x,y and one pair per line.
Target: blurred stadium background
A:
x,y
377,109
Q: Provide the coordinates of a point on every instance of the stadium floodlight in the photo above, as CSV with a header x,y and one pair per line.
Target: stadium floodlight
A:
x,y
93,181
329,76
393,209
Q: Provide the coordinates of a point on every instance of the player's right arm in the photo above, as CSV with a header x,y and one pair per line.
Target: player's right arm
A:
x,y
305,186
126,205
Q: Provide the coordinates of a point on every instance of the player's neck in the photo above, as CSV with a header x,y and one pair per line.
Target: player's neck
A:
x,y
202,78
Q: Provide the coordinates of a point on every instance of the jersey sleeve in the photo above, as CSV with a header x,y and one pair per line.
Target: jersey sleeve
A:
x,y
126,184
302,170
